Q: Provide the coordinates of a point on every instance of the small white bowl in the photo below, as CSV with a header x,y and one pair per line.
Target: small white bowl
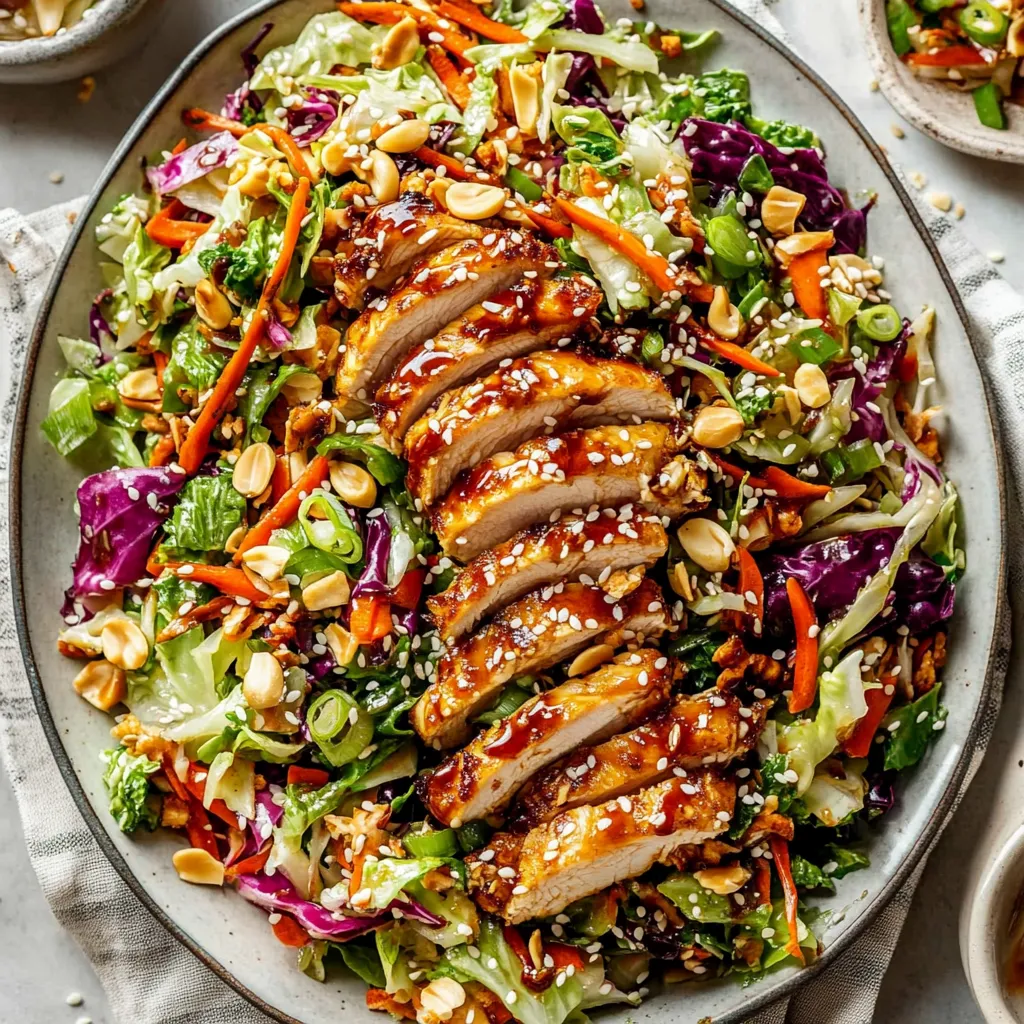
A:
x,y
109,30
945,114
989,929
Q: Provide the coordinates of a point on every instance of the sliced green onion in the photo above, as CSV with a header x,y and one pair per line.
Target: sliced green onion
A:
x,y
472,836
523,184
753,301
880,323
513,697
984,23
834,465
734,253
755,176
988,105
842,307
713,374
428,843
651,348
860,458
899,17
71,421
333,533
339,727
934,6
814,346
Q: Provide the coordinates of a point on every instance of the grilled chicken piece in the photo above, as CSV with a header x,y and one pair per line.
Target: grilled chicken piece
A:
x,y
481,778
602,466
579,546
392,238
712,728
439,287
535,313
532,634
587,849
534,395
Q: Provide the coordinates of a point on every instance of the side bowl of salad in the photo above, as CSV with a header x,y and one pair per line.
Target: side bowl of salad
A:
x,y
960,88
231,935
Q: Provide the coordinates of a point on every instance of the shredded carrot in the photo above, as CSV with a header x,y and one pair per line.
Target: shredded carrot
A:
x,y
250,865
948,57
763,876
177,786
803,271
653,264
197,787
285,510
484,26
739,355
281,480
750,582
289,147
407,593
165,227
805,670
179,147
299,776
551,227
780,857
199,829
369,618
786,486
226,579
289,932
878,699
160,361
195,444
383,13
196,117
453,166
450,76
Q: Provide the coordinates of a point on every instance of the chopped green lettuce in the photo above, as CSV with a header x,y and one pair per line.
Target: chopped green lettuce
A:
x,y
208,511
127,783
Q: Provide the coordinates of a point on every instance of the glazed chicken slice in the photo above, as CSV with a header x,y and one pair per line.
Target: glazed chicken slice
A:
x,y
603,466
392,238
585,546
439,288
587,849
713,728
481,778
538,394
542,629
532,315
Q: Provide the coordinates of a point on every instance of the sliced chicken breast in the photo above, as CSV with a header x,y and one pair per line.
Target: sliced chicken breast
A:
x,y
579,546
538,394
535,313
587,849
537,631
393,237
481,778
440,287
603,466
713,728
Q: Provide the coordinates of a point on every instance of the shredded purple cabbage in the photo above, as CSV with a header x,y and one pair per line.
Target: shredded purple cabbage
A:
x,y
881,794
100,333
376,548
720,151
243,98
120,512
318,112
833,571
583,16
279,335
866,422
193,163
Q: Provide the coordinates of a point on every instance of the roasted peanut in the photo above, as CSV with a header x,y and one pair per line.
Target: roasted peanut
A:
x,y
439,1000
404,137
263,685
723,317
586,661
101,684
141,385
780,209
198,867
329,592
399,46
353,484
723,880
268,560
717,426
471,200
812,385
211,305
525,88
706,543
342,644
252,472
384,177
124,644
800,242
301,388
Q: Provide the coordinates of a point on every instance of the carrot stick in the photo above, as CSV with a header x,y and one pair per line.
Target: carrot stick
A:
x,y
653,264
805,670
195,444
786,486
165,228
453,166
729,350
199,829
299,776
858,743
289,932
476,22
179,147
160,361
197,787
226,579
162,451
948,57
807,290
289,147
287,508
780,855
750,582
369,618
450,76
250,865
551,227
196,117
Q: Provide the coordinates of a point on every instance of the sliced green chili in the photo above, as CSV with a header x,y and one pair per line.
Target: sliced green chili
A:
x,y
984,23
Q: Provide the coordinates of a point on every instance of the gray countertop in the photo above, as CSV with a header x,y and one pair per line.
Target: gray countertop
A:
x,y
53,147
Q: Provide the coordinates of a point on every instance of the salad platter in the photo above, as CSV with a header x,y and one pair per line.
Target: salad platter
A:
x,y
534,518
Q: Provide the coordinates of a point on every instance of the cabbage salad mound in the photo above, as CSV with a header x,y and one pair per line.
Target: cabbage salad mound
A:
x,y
515,552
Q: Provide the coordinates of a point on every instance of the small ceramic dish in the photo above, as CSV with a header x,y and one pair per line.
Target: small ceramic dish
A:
x,y
108,31
992,934
945,114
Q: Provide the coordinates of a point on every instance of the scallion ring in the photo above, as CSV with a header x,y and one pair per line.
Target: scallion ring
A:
x,y
339,726
880,323
331,530
429,843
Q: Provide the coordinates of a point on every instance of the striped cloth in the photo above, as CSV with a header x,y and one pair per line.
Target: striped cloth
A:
x,y
147,975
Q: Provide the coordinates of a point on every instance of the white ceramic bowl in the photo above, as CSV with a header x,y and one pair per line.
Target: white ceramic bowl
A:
x,y
945,114
231,936
111,28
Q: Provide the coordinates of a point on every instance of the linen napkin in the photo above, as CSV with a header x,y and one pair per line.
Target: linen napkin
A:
x,y
147,975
